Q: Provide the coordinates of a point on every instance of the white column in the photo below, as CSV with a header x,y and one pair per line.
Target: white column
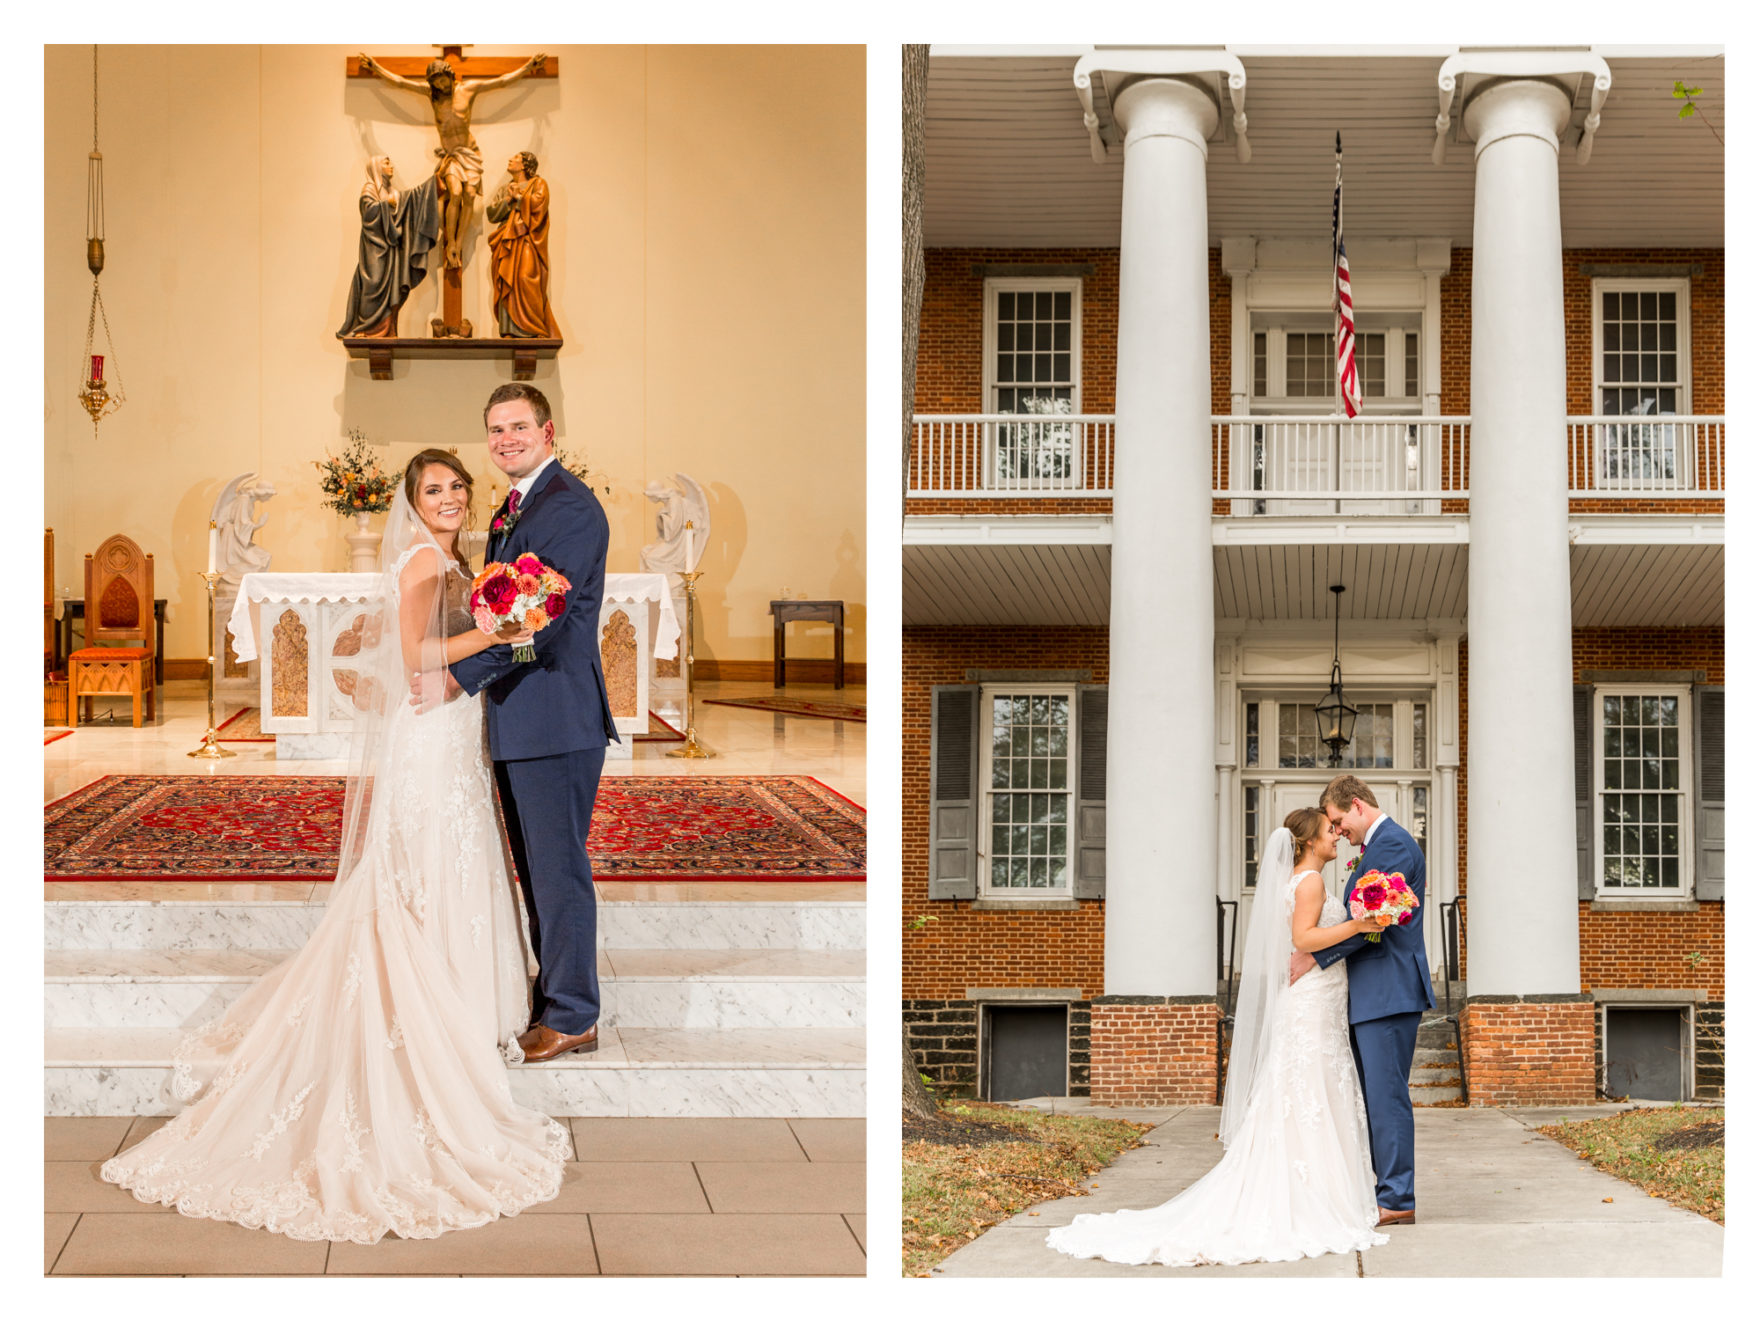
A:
x,y
1160,775
1521,839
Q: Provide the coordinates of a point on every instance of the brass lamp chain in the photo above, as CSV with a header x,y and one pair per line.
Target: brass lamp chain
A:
x,y
98,397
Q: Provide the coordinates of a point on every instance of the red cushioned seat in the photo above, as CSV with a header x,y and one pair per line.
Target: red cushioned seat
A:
x,y
111,653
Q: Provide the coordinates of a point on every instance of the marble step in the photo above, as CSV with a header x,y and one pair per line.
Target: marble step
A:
x,y
659,988
637,1072
283,924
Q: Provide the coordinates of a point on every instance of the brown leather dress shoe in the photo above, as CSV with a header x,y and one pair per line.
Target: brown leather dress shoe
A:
x,y
541,1043
1387,1216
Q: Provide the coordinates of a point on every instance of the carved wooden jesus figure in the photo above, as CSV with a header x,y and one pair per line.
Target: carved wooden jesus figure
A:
x,y
459,170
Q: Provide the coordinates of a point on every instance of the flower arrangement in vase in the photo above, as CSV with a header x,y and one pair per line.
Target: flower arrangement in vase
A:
x,y
354,484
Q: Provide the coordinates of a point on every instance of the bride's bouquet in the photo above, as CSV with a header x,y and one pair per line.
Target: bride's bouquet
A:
x,y
1384,895
527,592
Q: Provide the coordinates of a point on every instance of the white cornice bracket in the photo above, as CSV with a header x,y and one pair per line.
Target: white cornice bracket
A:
x,y
1522,64
1163,63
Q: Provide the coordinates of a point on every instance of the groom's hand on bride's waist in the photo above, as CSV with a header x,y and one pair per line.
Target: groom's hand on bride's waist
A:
x,y
426,691
1299,965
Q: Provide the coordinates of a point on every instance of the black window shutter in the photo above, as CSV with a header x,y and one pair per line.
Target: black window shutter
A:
x,y
1090,877
954,792
1582,710
1708,793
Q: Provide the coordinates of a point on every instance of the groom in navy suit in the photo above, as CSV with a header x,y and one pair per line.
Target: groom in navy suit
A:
x,y
549,719
1389,991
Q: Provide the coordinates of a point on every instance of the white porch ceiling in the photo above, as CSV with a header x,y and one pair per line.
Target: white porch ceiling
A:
x,y
996,583
1008,161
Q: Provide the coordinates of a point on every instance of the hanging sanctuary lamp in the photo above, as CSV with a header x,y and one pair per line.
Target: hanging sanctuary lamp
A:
x,y
99,397
1337,719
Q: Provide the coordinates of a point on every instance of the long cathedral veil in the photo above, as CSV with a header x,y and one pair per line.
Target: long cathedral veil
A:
x,y
1264,980
399,637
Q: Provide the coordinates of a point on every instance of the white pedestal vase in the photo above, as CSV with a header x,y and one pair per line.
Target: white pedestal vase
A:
x,y
363,547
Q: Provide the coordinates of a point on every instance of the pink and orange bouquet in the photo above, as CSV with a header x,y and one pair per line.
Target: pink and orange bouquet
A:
x,y
527,592
1384,895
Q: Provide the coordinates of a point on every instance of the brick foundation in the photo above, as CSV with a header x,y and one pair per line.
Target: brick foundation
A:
x,y
1153,1050
1523,1050
943,1037
1708,1052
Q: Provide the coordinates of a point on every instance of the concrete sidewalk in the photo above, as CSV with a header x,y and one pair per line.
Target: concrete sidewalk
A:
x,y
1486,1183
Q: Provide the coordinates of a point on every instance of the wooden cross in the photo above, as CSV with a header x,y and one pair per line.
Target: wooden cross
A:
x,y
474,66
451,321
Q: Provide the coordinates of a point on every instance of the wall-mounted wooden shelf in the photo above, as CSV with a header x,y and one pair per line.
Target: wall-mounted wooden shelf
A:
x,y
380,353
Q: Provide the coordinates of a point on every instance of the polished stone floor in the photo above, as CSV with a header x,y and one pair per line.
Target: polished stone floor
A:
x,y
643,1196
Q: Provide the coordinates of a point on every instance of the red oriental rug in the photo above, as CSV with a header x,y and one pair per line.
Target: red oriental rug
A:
x,y
288,827
819,710
246,727
56,735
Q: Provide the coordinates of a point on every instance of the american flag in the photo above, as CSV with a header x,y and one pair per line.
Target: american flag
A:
x,y
1348,388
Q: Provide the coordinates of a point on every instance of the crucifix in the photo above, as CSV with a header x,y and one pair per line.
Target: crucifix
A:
x,y
451,84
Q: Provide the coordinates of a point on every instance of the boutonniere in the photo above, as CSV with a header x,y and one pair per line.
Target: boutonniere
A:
x,y
504,523
1354,863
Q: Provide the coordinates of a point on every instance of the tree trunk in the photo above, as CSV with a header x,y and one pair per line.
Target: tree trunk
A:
x,y
917,1101
916,95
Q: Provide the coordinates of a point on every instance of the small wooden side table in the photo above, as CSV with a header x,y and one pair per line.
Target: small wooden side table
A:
x,y
807,611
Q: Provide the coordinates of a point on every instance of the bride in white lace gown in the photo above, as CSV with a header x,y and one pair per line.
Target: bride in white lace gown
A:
x,y
1296,1179
360,1087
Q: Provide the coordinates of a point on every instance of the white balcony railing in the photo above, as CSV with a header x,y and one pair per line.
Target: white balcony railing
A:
x,y
1646,458
1010,456
1266,465
1321,465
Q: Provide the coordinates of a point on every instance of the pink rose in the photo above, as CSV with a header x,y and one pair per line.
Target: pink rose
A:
x,y
1406,917
485,620
528,563
1372,896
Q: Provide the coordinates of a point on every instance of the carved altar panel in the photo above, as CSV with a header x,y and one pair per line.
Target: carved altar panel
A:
x,y
624,654
351,641
288,679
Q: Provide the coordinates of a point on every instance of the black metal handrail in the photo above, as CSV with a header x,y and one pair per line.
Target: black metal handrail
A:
x,y
1225,974
1451,970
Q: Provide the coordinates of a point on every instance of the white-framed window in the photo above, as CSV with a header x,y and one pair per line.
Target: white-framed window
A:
x,y
1033,366
1028,773
1282,739
1294,366
1643,368
1643,770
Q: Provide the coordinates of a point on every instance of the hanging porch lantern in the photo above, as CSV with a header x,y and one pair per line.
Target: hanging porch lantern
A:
x,y
1336,718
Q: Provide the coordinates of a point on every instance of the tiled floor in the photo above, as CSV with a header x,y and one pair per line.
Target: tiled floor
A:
x,y
746,742
644,1196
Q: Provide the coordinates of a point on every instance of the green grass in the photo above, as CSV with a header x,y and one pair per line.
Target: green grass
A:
x,y
1674,1153
955,1189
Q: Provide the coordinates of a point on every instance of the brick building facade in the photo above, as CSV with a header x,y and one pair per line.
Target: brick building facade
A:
x,y
1003,974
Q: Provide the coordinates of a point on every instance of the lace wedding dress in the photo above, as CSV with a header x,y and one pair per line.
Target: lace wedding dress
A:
x,y
360,1087
1296,1180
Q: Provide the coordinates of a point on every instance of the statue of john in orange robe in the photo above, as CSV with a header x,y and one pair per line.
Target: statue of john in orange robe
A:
x,y
520,249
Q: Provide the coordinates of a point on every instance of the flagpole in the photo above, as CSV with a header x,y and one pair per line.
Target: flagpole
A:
x,y
1337,229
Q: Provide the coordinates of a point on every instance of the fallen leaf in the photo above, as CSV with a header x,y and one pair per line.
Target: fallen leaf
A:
x,y
1607,1200
1032,1214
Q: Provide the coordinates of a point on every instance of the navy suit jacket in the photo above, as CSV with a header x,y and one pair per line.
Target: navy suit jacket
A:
x,y
556,703
1392,975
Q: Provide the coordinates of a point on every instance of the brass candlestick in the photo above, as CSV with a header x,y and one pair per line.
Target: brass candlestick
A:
x,y
692,749
211,750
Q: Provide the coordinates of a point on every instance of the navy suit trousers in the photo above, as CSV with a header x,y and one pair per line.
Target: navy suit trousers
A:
x,y
548,805
1383,1048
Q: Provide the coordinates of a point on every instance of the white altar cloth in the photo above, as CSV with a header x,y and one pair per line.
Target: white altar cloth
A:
x,y
254,588
257,587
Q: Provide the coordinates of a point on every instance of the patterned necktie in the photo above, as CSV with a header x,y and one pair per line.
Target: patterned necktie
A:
x,y
513,501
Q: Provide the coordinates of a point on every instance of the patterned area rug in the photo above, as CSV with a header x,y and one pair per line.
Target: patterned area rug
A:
x,y
822,710
56,735
247,727
288,827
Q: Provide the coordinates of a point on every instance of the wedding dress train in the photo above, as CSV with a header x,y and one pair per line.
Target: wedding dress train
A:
x,y
1296,1180
359,1088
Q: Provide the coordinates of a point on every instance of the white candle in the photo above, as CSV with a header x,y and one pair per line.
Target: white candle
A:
x,y
690,548
213,544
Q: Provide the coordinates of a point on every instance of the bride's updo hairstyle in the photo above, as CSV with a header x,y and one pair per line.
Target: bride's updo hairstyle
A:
x,y
412,477
1305,825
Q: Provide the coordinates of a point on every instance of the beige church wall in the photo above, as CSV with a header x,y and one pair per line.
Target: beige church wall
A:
x,y
707,270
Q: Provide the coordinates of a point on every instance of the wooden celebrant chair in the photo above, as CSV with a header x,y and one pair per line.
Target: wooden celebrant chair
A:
x,y
54,681
119,608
